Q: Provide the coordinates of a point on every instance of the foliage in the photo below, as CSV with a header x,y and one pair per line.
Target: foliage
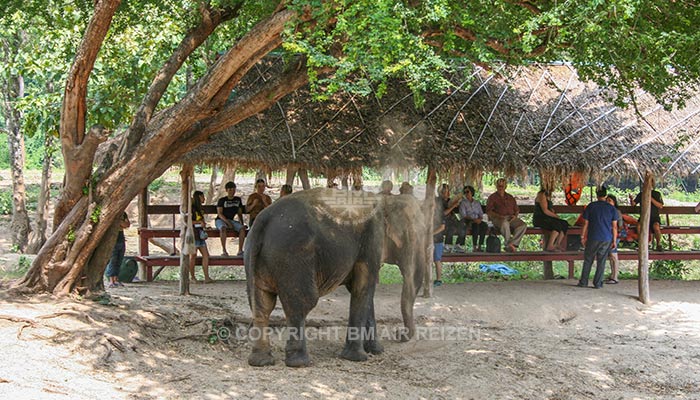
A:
x,y
5,202
95,215
156,185
668,269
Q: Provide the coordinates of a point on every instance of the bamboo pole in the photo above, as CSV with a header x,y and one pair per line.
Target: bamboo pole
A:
x,y
644,216
429,207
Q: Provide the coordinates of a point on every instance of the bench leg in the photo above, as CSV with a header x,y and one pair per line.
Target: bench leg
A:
x,y
149,273
571,269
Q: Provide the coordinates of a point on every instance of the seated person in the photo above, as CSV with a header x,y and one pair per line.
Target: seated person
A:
x,y
503,211
406,188
386,188
453,226
226,209
257,201
200,241
285,190
472,216
657,203
544,217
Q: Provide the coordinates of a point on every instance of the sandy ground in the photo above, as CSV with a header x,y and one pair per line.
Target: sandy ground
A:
x,y
538,339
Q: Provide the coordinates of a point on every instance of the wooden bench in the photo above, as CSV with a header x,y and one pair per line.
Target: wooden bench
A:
x,y
568,256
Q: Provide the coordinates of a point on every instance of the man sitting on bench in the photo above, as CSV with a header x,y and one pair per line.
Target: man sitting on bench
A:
x,y
503,211
226,209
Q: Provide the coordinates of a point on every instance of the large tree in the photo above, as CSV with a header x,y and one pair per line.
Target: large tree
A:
x,y
334,45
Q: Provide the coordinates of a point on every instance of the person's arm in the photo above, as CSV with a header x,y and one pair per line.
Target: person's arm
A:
x,y
439,229
542,201
452,205
659,203
463,211
614,232
584,232
124,223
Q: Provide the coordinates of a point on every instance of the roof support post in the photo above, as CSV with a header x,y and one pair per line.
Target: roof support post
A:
x,y
429,207
187,178
643,267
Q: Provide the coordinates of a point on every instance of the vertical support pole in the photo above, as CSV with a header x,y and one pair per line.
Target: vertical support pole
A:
x,y
304,176
143,242
644,216
186,176
291,173
429,207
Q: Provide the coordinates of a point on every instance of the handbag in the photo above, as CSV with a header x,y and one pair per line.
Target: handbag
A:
x,y
493,244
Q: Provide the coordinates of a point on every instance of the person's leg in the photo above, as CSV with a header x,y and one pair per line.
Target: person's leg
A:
x,y
518,226
483,228
601,255
588,257
437,257
474,228
241,239
461,235
614,266
193,261
656,228
553,235
503,227
205,263
221,226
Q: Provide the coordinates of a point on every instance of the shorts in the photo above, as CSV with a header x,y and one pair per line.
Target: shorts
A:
x,y
437,251
200,243
237,226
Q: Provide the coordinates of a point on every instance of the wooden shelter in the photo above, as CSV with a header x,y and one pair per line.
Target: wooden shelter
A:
x,y
509,120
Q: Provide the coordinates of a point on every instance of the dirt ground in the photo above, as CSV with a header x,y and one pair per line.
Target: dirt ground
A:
x,y
505,340
520,339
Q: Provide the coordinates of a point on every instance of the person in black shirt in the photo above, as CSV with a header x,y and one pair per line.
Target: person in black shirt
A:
x,y
657,203
226,209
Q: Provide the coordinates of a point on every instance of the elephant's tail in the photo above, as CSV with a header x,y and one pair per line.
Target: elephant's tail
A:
x,y
251,254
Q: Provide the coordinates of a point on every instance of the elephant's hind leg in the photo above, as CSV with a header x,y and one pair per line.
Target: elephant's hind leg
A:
x,y
361,288
263,304
296,308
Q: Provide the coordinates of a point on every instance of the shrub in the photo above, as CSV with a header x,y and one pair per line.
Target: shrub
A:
x,y
668,269
5,202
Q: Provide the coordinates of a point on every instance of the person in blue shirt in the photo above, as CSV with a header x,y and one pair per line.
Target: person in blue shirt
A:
x,y
599,236
473,217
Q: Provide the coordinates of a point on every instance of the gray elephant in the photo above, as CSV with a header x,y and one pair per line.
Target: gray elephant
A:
x,y
307,244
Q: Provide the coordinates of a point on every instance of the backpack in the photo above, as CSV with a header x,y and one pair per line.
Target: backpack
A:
x,y
493,244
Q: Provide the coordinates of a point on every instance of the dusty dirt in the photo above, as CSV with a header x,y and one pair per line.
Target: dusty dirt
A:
x,y
480,340
505,340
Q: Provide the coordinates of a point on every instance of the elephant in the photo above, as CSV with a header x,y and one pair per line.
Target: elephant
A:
x,y
308,243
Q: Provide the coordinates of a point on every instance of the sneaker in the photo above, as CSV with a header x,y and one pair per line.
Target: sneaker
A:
x,y
224,253
120,284
112,286
459,249
240,253
437,283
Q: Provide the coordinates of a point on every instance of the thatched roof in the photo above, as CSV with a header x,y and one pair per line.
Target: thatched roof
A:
x,y
540,117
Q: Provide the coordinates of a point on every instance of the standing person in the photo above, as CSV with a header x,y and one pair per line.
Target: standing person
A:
x,y
200,237
472,216
544,217
503,211
226,209
453,227
598,237
285,190
257,201
438,239
115,262
406,188
614,260
657,203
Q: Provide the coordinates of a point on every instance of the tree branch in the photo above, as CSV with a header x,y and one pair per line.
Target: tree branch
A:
x,y
211,19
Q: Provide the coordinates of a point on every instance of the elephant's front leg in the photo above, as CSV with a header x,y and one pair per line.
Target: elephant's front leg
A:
x,y
361,293
262,303
371,343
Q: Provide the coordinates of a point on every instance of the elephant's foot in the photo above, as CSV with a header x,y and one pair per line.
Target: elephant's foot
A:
x,y
261,358
405,334
353,354
297,359
373,347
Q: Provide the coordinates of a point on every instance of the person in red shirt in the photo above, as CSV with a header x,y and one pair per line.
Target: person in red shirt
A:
x,y
503,213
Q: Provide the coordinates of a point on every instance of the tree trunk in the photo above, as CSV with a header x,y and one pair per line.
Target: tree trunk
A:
x,y
38,237
211,192
14,89
643,225
229,176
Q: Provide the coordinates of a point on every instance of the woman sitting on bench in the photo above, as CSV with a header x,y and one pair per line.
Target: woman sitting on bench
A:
x,y
545,218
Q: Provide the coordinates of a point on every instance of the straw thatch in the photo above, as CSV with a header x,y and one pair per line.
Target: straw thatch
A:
x,y
540,117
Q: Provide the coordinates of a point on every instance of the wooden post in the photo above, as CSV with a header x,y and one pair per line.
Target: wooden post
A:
x,y
643,226
429,207
186,176
291,173
143,223
304,176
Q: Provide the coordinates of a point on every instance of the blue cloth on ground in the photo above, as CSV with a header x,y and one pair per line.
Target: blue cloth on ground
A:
x,y
500,268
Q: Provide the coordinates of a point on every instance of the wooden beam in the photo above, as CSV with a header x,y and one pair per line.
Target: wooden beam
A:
x,y
643,267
